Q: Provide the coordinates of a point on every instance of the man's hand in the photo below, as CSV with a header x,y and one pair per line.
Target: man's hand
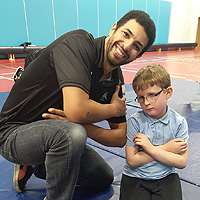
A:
x,y
123,89
115,137
55,114
177,146
119,103
143,141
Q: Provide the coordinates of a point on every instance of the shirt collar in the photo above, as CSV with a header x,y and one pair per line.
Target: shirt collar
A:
x,y
164,119
100,43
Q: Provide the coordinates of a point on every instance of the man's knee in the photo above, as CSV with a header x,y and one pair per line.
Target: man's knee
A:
x,y
78,134
64,136
68,131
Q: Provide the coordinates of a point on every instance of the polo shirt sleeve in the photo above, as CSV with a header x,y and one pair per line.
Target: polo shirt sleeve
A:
x,y
73,59
132,130
182,131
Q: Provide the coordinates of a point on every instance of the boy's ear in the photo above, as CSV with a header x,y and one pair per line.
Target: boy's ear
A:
x,y
169,92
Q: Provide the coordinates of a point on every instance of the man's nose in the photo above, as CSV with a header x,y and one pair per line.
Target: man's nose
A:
x,y
127,45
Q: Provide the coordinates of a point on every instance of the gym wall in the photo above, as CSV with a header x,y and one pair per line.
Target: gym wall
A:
x,y
41,22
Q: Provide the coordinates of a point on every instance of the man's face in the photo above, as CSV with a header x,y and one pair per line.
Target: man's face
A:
x,y
125,44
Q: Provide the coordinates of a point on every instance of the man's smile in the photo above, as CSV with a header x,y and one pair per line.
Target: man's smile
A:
x,y
119,52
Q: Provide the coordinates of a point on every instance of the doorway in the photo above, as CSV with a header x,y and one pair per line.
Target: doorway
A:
x,y
198,34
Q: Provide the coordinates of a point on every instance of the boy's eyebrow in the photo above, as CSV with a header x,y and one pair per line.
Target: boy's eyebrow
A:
x,y
133,36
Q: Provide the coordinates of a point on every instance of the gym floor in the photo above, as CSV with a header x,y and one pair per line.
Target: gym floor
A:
x,y
183,67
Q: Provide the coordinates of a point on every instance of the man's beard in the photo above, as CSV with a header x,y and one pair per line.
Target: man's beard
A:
x,y
112,61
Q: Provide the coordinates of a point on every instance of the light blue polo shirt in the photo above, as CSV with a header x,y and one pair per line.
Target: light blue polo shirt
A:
x,y
159,132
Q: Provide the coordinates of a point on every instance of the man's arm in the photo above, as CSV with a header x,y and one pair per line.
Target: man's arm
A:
x,y
80,109
114,137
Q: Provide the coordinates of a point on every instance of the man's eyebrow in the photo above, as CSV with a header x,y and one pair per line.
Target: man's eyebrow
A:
x,y
133,36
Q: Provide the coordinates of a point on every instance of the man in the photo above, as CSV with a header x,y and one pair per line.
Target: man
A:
x,y
78,74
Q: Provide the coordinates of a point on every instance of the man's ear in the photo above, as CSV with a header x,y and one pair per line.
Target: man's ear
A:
x,y
139,56
169,92
112,30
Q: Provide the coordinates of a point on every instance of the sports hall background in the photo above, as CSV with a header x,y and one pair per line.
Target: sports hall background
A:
x,y
42,21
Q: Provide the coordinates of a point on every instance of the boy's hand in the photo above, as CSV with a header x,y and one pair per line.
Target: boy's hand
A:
x,y
177,146
143,141
55,114
119,103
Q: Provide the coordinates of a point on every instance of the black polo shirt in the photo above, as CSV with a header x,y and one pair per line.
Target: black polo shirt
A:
x,y
74,59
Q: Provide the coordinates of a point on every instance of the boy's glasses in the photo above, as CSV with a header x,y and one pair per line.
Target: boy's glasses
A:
x,y
150,97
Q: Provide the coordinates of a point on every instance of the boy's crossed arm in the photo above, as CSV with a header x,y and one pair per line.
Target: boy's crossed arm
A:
x,y
174,153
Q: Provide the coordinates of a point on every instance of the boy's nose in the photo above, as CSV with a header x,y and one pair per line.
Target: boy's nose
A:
x,y
146,101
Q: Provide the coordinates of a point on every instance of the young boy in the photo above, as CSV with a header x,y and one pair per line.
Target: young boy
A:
x,y
156,141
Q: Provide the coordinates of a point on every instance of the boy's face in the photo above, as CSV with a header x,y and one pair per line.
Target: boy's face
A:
x,y
157,107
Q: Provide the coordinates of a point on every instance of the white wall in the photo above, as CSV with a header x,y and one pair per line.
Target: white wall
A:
x,y
184,21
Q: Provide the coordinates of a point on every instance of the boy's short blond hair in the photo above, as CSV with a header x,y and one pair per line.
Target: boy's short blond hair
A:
x,y
150,75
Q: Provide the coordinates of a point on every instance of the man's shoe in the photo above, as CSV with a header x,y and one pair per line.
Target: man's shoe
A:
x,y
17,75
21,175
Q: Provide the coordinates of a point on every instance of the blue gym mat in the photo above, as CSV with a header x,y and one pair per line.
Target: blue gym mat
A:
x,y
185,100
